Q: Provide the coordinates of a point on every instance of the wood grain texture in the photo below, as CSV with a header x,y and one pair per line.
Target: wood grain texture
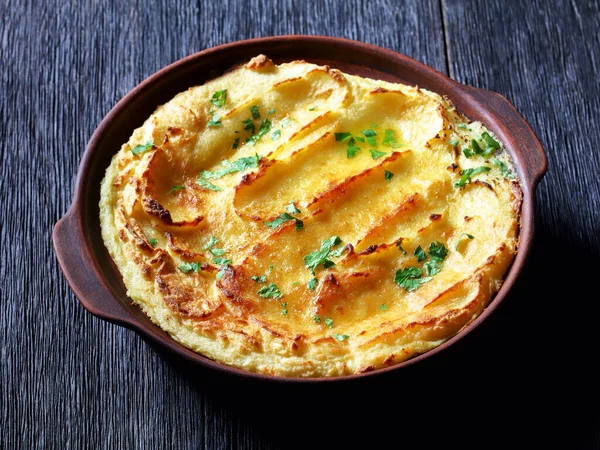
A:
x,y
69,380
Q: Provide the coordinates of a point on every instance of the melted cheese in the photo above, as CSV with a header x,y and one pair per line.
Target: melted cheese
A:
x,y
185,219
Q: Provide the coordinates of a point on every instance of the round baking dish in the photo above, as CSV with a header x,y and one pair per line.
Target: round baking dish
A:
x,y
86,263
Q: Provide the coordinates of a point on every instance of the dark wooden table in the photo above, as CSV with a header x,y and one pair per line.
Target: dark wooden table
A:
x,y
528,377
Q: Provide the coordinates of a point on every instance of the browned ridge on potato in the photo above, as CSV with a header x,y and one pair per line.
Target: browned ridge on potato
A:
x,y
294,220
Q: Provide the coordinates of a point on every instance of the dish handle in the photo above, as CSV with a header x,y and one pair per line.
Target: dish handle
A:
x,y
86,282
515,125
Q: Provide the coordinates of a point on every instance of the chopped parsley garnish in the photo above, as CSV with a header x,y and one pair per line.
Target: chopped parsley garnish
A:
x,y
467,152
312,284
219,98
254,111
222,261
341,137
220,273
286,122
217,251
215,121
317,318
153,241
291,208
312,108
432,267
249,125
270,291
462,126
265,127
261,279
460,238
296,283
370,135
437,251
211,242
383,307
476,148
177,187
506,173
276,135
236,143
271,111
139,149
420,254
490,141
408,278
321,256
340,337
467,174
453,142
206,185
188,267
399,245
285,217
376,153
388,175
352,149
328,322
389,139
249,162
285,309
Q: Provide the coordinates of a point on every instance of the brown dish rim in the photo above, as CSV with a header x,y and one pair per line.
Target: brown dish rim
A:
x,y
85,262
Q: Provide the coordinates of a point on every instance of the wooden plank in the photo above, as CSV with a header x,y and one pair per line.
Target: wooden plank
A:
x,y
69,380
544,57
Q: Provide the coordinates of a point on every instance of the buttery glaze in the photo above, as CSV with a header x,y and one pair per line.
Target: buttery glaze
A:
x,y
212,209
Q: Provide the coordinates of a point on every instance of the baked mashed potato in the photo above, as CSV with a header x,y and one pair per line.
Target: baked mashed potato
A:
x,y
294,220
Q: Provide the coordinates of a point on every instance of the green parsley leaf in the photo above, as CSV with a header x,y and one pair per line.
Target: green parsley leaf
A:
x,y
285,217
270,269
437,251
420,254
285,309
312,108
340,337
249,162
476,148
265,127
360,139
388,139
261,279
388,175
490,141
249,125
206,185
188,267
341,137
432,268
271,111
312,284
286,122
399,245
153,241
291,208
408,278
222,261
462,126
236,143
370,135
383,307
270,291
317,318
139,149
211,242
177,187
215,121
470,236
352,150
453,142
220,273
328,322
468,152
321,256
276,135
217,251
296,283
254,111
506,173
467,174
376,154
219,98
